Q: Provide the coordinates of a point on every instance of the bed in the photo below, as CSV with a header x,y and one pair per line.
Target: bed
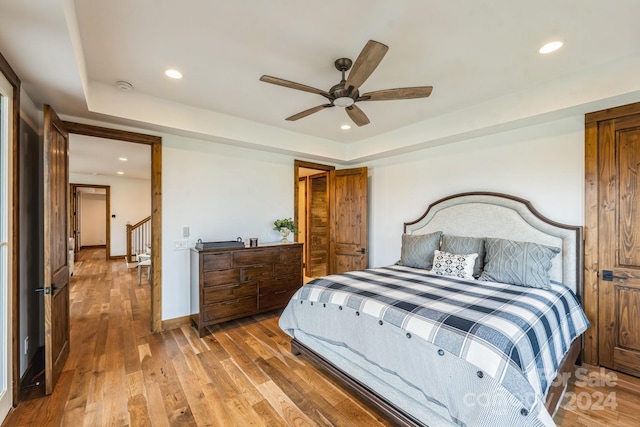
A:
x,y
461,347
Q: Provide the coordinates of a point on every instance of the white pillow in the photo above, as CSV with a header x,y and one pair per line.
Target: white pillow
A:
x,y
455,265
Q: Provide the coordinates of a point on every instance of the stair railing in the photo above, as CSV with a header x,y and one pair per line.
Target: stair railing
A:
x,y
138,238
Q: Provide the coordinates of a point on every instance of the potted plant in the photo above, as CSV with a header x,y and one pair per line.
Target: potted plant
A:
x,y
285,227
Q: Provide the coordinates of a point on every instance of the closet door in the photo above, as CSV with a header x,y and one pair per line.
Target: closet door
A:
x,y
620,245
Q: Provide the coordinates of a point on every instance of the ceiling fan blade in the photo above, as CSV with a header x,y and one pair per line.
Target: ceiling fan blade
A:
x,y
399,93
293,85
308,112
357,115
365,64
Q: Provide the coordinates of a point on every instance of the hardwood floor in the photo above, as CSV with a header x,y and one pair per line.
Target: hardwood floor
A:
x,y
243,374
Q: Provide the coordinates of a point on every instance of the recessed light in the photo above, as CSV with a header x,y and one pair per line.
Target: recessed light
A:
x,y
122,159
550,47
174,74
345,127
120,173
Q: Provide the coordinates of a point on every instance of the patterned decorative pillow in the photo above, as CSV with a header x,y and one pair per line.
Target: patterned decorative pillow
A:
x,y
417,249
518,263
456,265
465,245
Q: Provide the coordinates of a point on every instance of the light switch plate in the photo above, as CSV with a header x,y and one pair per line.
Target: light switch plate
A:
x,y
181,245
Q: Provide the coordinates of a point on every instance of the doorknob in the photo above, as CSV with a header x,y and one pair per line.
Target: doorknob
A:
x,y
46,290
362,250
607,276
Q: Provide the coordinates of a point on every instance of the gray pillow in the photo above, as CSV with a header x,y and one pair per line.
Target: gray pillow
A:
x,y
518,263
418,249
463,246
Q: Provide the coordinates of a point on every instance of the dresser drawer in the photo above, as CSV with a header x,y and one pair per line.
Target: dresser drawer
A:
x,y
216,261
279,283
229,292
221,277
256,272
291,254
258,256
235,308
287,269
276,299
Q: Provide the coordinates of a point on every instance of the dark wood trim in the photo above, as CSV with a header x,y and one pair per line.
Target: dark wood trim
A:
x,y
176,322
592,225
12,77
5,68
591,197
120,135
93,247
297,164
156,203
107,213
612,113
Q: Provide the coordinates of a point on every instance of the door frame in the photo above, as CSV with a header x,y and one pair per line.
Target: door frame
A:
x,y
107,213
156,203
591,238
13,79
297,164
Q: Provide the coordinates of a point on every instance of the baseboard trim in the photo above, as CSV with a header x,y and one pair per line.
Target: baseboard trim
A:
x,y
93,247
176,323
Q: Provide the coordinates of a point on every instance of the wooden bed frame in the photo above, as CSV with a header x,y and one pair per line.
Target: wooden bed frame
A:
x,y
397,415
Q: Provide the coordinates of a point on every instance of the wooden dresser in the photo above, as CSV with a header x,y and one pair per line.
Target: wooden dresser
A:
x,y
228,284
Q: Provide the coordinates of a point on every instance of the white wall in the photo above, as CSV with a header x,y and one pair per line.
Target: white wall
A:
x,y
220,192
130,202
543,164
93,222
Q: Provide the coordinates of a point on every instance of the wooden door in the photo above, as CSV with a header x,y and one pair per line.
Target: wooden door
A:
x,y
318,224
56,269
619,243
348,220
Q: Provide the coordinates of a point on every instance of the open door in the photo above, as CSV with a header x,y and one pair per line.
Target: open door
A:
x,y
56,268
348,224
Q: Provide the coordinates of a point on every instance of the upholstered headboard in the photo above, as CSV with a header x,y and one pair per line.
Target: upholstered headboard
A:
x,y
507,217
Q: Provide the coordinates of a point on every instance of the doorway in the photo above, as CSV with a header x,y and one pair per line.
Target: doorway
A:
x,y
332,206
311,199
90,221
155,143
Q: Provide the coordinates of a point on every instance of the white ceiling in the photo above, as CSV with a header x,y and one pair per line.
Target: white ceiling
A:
x,y
98,156
479,55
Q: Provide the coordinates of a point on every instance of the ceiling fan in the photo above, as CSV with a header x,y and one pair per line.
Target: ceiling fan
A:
x,y
346,94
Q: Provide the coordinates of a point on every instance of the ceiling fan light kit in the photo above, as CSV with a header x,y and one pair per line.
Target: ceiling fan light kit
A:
x,y
346,93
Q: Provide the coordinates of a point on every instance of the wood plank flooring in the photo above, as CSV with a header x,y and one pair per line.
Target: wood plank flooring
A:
x,y
243,374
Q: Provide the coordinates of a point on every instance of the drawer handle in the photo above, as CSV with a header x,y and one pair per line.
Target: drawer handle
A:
x,y
280,292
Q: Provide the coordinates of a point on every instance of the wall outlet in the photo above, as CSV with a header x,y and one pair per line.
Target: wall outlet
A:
x,y
181,245
26,345
185,231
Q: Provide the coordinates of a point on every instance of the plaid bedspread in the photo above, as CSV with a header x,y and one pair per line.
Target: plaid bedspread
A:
x,y
515,334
